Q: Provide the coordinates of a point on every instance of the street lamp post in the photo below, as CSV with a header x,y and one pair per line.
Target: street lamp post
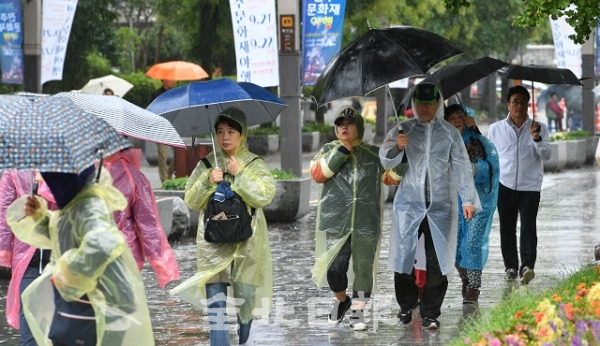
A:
x,y
32,45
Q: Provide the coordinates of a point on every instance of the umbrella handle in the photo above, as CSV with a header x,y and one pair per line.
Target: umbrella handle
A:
x,y
393,105
212,138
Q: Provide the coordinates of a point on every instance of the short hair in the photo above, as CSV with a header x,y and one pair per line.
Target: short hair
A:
x,y
452,109
230,122
517,89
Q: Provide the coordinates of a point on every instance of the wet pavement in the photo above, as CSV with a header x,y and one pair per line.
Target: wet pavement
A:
x,y
567,232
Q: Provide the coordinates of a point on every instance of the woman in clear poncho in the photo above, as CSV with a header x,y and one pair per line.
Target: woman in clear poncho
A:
x,y
349,217
90,259
244,266
431,158
474,236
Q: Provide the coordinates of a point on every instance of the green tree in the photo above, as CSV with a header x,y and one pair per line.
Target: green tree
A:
x,y
583,17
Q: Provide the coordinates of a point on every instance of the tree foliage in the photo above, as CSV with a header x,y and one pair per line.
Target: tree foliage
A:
x,y
583,16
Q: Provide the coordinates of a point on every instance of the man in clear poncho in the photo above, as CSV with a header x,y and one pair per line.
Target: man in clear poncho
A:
x,y
246,266
349,217
429,154
90,259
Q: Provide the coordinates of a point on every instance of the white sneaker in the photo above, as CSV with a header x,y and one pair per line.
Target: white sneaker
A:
x,y
357,320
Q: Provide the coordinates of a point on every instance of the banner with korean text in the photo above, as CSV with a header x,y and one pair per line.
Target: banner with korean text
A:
x,y
567,52
255,37
597,60
57,20
11,53
322,27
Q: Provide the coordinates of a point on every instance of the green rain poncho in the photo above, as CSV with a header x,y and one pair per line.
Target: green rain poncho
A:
x,y
89,257
350,204
246,265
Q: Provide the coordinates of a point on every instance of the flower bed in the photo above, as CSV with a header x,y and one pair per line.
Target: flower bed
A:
x,y
568,314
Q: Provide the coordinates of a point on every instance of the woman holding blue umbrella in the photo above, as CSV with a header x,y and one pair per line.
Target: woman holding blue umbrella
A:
x,y
246,266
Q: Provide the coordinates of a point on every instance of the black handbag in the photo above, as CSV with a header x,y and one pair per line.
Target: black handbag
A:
x,y
227,221
73,323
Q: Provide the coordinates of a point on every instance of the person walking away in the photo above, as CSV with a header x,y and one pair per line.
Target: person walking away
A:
x,y
26,262
139,221
91,267
474,236
554,113
165,169
244,266
523,145
429,154
349,217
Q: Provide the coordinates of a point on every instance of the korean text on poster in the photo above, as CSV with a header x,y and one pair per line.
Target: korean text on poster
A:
x,y
255,37
322,27
11,53
568,53
56,28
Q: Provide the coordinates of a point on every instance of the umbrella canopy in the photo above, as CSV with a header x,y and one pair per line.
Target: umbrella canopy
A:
x,y
453,78
177,70
187,107
379,57
119,86
127,118
544,74
52,134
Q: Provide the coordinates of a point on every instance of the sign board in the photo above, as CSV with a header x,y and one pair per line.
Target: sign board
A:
x,y
287,33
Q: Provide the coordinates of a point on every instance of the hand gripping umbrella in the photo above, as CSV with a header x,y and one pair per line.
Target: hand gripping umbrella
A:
x,y
192,108
380,57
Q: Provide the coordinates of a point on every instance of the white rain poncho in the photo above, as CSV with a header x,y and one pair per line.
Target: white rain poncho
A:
x,y
89,257
436,151
246,265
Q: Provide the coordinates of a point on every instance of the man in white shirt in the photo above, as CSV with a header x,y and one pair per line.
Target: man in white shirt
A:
x,y
523,144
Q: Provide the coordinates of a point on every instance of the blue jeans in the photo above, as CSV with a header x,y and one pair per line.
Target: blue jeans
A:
x,y
31,273
216,296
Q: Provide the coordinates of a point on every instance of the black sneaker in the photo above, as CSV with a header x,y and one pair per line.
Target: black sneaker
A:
x,y
430,323
406,316
511,274
338,311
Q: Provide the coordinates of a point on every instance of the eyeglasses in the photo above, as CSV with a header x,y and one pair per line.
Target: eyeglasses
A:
x,y
516,103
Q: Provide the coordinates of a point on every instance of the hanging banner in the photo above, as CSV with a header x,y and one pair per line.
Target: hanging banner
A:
x,y
57,20
567,52
255,37
597,60
322,27
11,53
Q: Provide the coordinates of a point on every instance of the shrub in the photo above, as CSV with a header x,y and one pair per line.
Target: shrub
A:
x,y
565,136
175,184
269,129
313,126
280,174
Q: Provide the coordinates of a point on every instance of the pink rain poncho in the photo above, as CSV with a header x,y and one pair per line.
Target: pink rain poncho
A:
x,y
14,253
139,221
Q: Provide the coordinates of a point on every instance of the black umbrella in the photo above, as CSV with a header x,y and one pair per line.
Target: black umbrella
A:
x,y
544,74
379,57
453,78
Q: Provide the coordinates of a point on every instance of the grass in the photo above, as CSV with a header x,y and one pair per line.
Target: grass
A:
x,y
567,314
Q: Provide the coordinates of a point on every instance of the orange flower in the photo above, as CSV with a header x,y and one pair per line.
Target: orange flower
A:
x,y
580,286
597,312
538,316
518,315
569,310
582,292
557,298
578,298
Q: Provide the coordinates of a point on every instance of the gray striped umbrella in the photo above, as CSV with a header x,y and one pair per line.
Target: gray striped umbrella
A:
x,y
127,118
52,134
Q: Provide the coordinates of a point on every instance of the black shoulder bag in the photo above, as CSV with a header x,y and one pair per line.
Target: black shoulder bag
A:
x,y
227,221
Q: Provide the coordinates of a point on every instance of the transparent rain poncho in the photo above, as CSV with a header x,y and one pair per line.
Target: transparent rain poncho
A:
x,y
350,206
89,257
435,151
247,265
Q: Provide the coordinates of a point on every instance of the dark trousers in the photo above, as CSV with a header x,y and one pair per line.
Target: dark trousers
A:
x,y
512,203
337,276
433,295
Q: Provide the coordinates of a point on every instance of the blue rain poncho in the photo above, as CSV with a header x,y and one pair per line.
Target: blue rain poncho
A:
x,y
350,205
435,150
247,266
474,236
89,257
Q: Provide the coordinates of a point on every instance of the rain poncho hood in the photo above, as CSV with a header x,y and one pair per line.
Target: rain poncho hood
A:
x,y
473,236
350,206
247,265
436,154
139,221
14,253
89,257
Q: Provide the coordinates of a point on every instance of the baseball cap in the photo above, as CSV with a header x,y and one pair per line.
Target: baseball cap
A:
x,y
426,93
346,113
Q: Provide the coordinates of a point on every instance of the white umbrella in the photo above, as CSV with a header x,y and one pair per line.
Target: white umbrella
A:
x,y
127,118
119,86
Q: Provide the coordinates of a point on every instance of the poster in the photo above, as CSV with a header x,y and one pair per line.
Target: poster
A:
x,y
255,37
56,28
11,53
322,27
567,52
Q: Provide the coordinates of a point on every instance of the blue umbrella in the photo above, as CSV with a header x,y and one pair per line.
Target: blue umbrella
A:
x,y
187,107
52,135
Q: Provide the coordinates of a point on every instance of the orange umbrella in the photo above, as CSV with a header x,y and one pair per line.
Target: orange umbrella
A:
x,y
177,70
